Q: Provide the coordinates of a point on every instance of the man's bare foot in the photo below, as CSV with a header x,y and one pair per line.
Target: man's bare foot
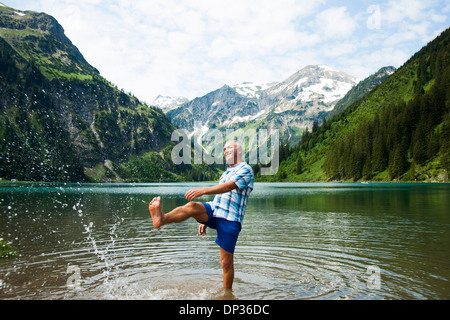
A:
x,y
156,213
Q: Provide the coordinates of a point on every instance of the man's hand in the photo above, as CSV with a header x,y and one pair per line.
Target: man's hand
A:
x,y
194,193
202,230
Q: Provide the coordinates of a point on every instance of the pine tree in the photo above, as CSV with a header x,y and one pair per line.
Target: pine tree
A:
x,y
379,153
367,168
433,145
315,126
397,162
445,144
419,149
299,164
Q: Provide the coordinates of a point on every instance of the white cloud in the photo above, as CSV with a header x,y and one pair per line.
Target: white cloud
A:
x,y
336,23
412,19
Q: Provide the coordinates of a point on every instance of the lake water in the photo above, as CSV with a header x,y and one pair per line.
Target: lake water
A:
x,y
298,241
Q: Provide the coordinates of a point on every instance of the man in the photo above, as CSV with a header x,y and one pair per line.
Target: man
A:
x,y
225,213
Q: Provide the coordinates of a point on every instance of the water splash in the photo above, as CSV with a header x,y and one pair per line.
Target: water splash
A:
x,y
104,251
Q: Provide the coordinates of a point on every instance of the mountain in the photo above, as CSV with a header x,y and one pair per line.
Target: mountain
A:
x,y
360,90
304,98
313,87
398,131
251,89
213,109
290,106
60,120
167,103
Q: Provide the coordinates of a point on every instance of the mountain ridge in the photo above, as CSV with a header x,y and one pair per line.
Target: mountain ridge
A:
x,y
360,90
398,131
60,120
304,97
30,33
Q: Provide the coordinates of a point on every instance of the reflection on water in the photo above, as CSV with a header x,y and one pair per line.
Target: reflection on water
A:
x,y
298,241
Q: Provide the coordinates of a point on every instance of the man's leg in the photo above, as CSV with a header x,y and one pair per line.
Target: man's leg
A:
x,y
226,260
194,210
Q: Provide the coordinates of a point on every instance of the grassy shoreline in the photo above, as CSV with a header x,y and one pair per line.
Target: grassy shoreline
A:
x,y
287,180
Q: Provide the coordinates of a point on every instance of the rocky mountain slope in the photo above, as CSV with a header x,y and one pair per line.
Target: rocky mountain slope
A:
x,y
60,120
290,106
360,90
167,103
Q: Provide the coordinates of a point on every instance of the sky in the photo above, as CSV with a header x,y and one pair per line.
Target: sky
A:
x,y
191,47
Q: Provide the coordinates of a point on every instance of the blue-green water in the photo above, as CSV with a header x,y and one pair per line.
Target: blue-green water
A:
x,y
298,241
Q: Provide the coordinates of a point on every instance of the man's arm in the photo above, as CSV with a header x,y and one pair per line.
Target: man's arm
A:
x,y
220,188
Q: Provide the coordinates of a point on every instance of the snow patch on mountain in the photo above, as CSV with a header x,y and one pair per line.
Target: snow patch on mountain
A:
x,y
251,89
316,85
167,103
237,119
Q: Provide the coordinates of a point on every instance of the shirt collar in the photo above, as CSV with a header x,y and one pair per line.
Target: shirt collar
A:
x,y
235,166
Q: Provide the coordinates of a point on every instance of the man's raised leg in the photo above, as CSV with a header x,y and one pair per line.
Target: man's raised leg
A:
x,y
194,210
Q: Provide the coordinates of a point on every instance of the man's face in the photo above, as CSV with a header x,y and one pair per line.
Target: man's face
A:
x,y
230,152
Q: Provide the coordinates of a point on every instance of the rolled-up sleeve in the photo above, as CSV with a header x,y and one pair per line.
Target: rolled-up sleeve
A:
x,y
243,178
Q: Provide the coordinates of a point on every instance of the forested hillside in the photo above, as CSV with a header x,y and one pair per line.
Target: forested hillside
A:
x,y
60,120
399,131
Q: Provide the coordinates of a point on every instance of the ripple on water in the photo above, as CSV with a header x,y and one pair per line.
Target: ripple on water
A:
x,y
160,266
177,264
307,255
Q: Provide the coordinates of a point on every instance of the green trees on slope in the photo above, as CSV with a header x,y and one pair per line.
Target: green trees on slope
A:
x,y
399,131
405,135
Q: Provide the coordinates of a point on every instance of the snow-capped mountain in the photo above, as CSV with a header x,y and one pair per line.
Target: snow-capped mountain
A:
x,y
290,105
167,103
317,84
213,109
251,89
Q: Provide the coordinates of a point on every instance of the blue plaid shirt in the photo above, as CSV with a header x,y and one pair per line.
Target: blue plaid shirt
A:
x,y
231,205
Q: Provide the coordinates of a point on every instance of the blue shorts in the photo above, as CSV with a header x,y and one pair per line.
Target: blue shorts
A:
x,y
227,231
